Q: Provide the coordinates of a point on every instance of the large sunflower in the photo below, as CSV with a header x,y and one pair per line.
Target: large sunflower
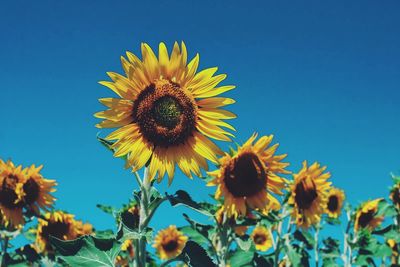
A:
x,y
309,194
335,202
367,217
35,190
11,178
262,238
249,176
60,225
169,242
165,112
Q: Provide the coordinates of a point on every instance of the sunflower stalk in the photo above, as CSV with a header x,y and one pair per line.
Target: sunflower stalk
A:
x,y
143,214
316,236
4,251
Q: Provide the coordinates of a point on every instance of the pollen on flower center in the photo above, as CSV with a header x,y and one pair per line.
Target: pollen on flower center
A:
x,y
170,245
333,203
305,194
245,175
8,195
166,113
31,189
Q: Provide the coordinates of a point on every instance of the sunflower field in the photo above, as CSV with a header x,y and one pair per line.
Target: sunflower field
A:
x,y
165,119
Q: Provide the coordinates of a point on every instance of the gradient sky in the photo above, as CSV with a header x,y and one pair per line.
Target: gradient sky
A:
x,y
322,76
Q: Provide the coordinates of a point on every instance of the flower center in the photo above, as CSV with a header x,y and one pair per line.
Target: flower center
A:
x,y
366,218
170,246
31,189
165,113
56,229
396,196
7,192
333,203
245,175
306,193
259,239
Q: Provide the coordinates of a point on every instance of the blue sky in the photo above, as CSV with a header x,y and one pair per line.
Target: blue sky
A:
x,y
322,76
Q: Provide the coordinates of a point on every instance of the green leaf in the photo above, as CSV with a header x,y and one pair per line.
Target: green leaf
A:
x,y
304,237
195,255
244,243
107,209
194,235
105,234
386,209
203,229
293,255
87,251
181,197
241,258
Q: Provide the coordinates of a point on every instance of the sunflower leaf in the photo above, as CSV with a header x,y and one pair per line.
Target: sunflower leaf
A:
x,y
194,255
182,197
245,244
87,251
194,235
304,237
241,258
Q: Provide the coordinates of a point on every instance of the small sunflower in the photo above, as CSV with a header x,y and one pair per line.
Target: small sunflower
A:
x,y
126,255
249,177
395,195
169,242
262,238
35,190
11,178
367,217
309,194
335,202
60,225
166,113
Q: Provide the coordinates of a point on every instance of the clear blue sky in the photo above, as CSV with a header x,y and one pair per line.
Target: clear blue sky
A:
x,y
323,76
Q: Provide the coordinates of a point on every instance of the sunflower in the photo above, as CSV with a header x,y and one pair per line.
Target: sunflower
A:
x,y
395,195
335,202
367,217
11,178
249,176
35,190
126,255
60,225
395,251
169,242
166,113
309,194
262,238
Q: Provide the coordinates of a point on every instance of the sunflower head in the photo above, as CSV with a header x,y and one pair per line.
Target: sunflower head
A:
x,y
394,246
35,190
11,179
169,242
249,176
60,225
166,112
262,238
335,202
367,217
309,194
395,195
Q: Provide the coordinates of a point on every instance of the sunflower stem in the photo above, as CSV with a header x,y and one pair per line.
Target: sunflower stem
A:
x,y
143,214
316,236
4,251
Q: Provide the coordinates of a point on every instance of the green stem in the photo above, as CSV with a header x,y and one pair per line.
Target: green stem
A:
x,y
4,251
143,214
316,236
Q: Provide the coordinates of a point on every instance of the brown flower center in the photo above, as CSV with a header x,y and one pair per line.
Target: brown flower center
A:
x,y
366,218
245,175
333,203
165,113
56,229
396,196
259,239
170,246
31,189
7,192
306,193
